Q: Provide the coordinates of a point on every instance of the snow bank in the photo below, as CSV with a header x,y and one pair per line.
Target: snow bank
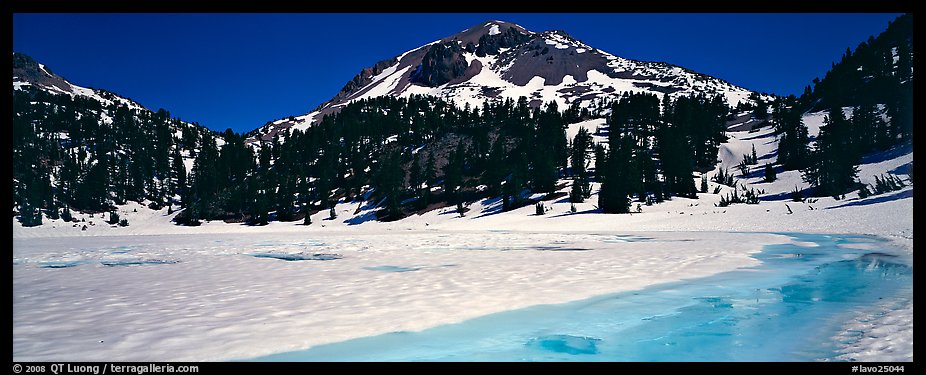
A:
x,y
885,335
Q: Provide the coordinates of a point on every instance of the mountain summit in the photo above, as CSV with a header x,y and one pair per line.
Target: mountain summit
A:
x,y
497,60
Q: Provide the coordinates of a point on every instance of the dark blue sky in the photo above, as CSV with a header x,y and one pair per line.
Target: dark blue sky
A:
x,y
242,70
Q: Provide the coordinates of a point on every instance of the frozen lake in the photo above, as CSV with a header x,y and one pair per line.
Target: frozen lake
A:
x,y
481,296
785,309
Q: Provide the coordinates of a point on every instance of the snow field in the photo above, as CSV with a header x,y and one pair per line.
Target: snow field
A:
x,y
219,302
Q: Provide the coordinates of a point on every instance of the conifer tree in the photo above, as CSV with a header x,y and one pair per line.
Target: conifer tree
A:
x,y
549,151
453,172
761,111
178,171
580,146
793,151
415,174
600,160
388,182
66,214
285,198
770,175
113,218
677,164
833,168
29,215
260,215
430,170
496,169
616,185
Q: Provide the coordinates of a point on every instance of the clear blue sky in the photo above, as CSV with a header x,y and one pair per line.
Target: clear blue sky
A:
x,y
242,70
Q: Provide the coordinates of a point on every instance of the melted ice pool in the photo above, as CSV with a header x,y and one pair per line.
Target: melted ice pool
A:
x,y
788,308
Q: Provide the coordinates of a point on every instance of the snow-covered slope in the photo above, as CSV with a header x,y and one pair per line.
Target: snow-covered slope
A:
x,y
889,215
500,60
28,72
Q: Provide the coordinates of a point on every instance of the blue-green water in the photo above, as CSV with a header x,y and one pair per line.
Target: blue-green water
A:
x,y
788,308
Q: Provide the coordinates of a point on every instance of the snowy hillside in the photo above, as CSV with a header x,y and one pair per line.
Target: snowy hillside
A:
x,y
541,66
887,215
77,149
29,73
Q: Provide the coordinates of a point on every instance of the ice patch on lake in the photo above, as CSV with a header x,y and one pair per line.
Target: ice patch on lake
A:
x,y
566,344
392,269
622,238
297,256
136,262
61,264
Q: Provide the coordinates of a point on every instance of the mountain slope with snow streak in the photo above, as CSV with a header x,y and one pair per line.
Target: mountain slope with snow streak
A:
x,y
28,72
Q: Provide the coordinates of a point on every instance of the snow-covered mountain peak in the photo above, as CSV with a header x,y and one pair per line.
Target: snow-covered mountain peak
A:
x,y
497,60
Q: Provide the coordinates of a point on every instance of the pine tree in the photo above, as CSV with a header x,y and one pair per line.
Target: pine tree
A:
x,y
453,172
192,216
580,145
430,170
511,190
29,215
388,181
575,193
67,179
677,164
259,212
600,160
178,171
744,168
616,185
284,199
496,168
769,172
580,185
833,170
113,218
460,209
92,192
549,149
761,109
415,174
66,214
793,152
